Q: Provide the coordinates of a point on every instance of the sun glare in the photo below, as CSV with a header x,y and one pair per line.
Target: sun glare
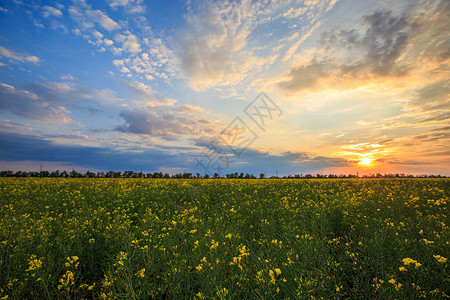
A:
x,y
366,161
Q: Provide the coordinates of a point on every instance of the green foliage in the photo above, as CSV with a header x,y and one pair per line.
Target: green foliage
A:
x,y
245,239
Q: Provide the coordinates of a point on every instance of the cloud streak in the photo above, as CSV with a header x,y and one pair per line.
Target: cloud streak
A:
x,y
17,56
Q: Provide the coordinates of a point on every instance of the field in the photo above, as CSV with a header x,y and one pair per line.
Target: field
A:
x,y
243,239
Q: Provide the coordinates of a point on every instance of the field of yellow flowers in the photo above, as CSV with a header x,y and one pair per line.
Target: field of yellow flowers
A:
x,y
224,239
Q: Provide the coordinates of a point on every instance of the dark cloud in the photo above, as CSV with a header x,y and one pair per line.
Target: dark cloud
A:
x,y
435,136
31,106
51,101
306,77
351,54
15,147
434,96
442,128
436,118
256,161
409,162
164,123
18,147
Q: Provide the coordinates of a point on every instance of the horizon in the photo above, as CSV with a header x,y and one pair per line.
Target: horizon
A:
x,y
203,86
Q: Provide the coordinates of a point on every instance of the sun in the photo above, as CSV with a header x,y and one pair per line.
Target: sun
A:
x,y
365,161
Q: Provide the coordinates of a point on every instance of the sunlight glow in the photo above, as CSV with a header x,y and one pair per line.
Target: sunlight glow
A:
x,y
366,161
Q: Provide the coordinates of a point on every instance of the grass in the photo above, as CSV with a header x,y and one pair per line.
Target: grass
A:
x,y
157,238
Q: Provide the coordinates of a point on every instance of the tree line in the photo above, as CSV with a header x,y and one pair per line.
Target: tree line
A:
x,y
236,175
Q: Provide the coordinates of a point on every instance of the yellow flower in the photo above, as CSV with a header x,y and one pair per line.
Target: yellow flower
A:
x,y
199,268
392,281
200,295
278,271
228,236
407,261
222,293
418,264
214,244
141,273
402,269
440,259
193,231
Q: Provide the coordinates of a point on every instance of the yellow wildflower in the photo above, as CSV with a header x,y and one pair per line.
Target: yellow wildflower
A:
x,y
440,259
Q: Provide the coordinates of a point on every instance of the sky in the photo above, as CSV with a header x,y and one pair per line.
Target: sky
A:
x,y
201,86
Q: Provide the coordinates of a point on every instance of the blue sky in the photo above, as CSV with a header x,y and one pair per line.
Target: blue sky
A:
x,y
175,86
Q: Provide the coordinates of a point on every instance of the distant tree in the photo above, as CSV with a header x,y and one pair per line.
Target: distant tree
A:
x,y
262,175
55,174
89,174
75,174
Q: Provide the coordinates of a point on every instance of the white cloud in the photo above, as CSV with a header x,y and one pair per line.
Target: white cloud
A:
x,y
228,42
121,65
108,42
213,50
132,6
130,42
16,56
291,51
97,34
101,18
87,17
67,77
51,11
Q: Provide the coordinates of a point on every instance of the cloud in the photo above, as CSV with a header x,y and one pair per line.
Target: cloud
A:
x,y
19,148
49,101
102,19
146,96
213,46
18,57
256,161
294,47
29,105
129,42
51,11
85,16
228,42
431,97
67,77
169,124
132,6
350,54
12,127
69,93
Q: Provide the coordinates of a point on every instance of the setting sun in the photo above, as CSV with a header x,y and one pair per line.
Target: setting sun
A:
x,y
366,161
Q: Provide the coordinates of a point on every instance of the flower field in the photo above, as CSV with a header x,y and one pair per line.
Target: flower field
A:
x,y
224,239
